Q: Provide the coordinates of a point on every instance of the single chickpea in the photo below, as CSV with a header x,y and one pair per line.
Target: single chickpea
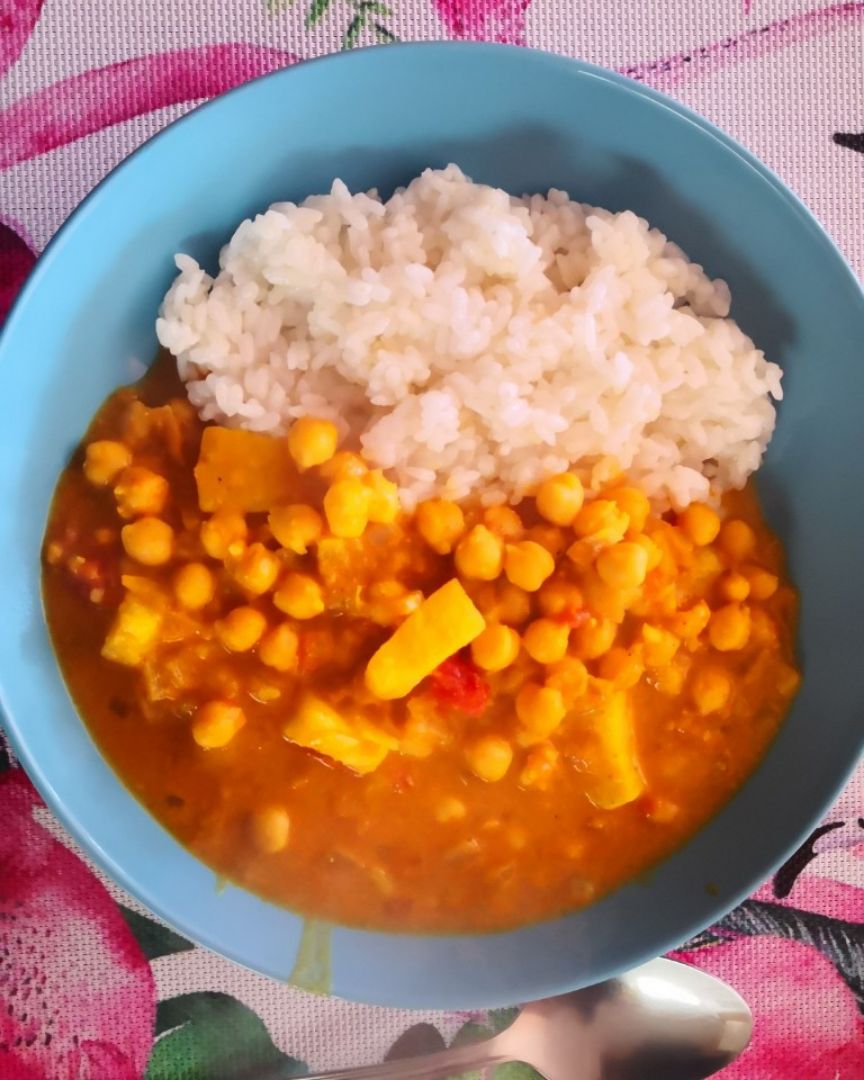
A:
x,y
734,586
489,757
623,667
788,680
343,466
149,541
296,527
570,677
450,809
528,565
384,505
659,645
763,584
560,599
241,629
271,828
299,596
513,604
737,539
710,687
540,710
593,638
655,555
623,566
278,648
312,442
441,524
700,524
546,640
688,624
601,522
139,492
560,498
257,569
104,459
496,648
504,521
729,628
224,533
194,586
763,629
216,724
480,555
346,507
634,503
540,763
548,536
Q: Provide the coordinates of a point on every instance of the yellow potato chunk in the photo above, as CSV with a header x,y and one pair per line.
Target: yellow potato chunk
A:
x,y
443,624
614,777
317,726
244,471
133,633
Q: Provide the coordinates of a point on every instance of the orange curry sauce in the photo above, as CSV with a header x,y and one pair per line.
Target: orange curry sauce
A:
x,y
421,842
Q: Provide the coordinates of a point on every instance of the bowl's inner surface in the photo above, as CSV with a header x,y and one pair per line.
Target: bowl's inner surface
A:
x,y
524,122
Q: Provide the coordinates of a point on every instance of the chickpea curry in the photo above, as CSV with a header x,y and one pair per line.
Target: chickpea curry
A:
x,y
462,718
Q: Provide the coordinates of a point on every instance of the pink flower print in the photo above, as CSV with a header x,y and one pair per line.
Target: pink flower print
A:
x,y
77,998
16,260
17,19
807,1023
485,20
820,895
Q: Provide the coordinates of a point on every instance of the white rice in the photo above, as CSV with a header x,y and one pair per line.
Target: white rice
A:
x,y
477,342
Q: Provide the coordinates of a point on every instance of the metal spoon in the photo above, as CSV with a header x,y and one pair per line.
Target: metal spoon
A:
x,y
660,1020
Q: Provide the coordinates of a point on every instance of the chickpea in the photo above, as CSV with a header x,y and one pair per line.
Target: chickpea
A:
x,y
241,629
514,604
559,498
540,710
140,492
763,584
278,648
560,599
343,466
737,539
601,522
194,586
700,524
729,628
441,524
450,809
496,648
546,640
581,553
149,541
689,624
104,459
346,507
312,442
634,503
540,763
216,724
504,521
296,527
621,666
299,596
670,679
384,505
655,555
224,533
710,687
734,586
480,555
528,565
570,677
623,566
489,757
659,646
788,680
257,569
593,638
763,629
548,536
271,828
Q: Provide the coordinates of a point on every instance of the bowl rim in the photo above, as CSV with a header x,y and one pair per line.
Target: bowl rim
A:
x,y
16,732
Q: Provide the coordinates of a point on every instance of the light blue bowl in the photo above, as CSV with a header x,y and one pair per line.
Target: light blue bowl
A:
x,y
525,121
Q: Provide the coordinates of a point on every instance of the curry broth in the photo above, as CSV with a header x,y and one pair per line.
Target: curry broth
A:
x,y
372,850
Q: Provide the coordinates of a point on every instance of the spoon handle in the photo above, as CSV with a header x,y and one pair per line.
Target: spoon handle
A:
x,y
438,1066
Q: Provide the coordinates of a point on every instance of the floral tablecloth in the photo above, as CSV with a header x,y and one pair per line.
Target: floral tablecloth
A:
x,y
91,985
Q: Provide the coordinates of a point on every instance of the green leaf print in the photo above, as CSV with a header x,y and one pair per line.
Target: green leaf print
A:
x,y
207,1035
154,938
317,10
